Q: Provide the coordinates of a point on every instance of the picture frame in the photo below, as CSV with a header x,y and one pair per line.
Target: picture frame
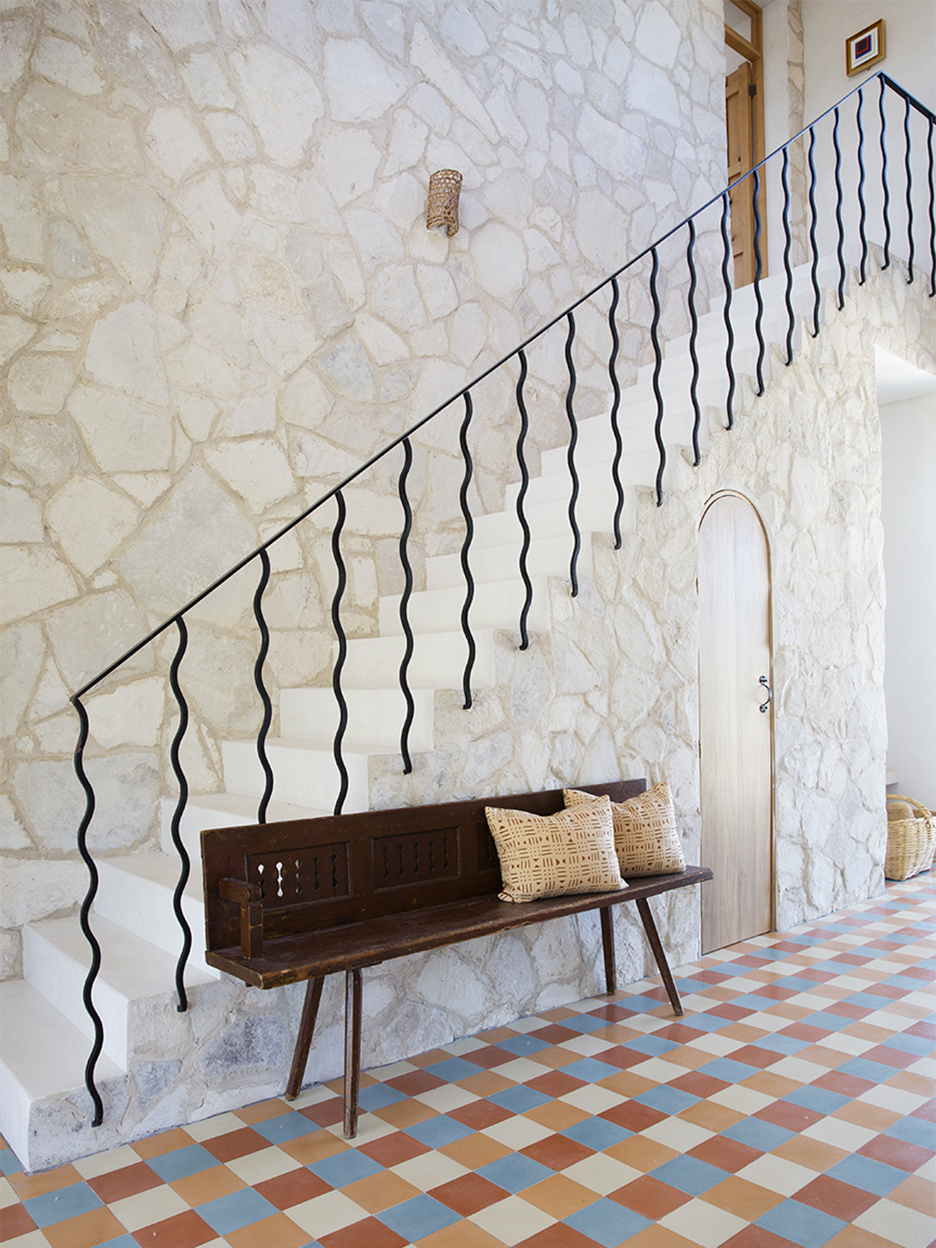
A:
x,y
864,49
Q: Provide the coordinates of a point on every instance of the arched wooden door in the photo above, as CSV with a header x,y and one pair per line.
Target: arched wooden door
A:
x,y
735,717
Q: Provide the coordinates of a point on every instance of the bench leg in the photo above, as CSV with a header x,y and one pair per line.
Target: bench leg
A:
x,y
607,944
657,947
304,1039
352,1074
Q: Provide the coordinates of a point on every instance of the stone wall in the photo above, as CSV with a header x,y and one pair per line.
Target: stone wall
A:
x,y
221,296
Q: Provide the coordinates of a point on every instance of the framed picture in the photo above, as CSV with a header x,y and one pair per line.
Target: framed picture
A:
x,y
864,49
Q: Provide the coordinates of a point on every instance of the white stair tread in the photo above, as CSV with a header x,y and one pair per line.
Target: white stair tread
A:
x,y
223,810
39,1047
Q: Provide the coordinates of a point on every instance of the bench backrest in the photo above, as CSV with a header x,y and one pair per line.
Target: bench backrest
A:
x,y
315,873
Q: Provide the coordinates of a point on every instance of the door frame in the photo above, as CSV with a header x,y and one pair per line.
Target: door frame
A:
x,y
752,50
771,633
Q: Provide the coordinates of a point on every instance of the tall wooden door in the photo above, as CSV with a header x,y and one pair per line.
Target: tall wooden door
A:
x,y
735,717
740,128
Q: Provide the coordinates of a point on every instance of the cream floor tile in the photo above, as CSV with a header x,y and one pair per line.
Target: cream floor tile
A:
x,y
392,1071
796,1068
678,1134
103,1163
266,1163
768,1022
592,1098
512,1220
893,1098
517,1133
458,1048
777,1174
842,1042
703,1224
841,1134
323,1214
448,1096
135,1212
717,1045
32,1239
744,1100
601,1174
7,1195
898,1224
587,1046
211,1128
887,1021
521,1069
523,1025
429,1170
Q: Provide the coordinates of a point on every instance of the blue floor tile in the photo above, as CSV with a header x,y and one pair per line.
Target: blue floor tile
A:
x,y
867,1175
591,1069
239,1209
416,1218
439,1131
453,1068
800,1224
873,1072
522,1045
911,1044
669,1100
519,1099
728,1070
596,1133
705,1022
688,1174
182,1162
819,1099
607,1222
9,1162
514,1172
286,1127
651,1045
778,1043
67,1202
586,1023
757,1133
378,1095
124,1241
794,983
915,1131
343,1168
827,1022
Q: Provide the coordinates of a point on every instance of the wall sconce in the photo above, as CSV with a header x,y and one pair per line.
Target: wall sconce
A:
x,y
444,186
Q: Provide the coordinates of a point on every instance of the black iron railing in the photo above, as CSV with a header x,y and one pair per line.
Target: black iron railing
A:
x,y
914,113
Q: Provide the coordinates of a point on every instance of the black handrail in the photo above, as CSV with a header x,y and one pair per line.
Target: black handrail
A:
x,y
722,199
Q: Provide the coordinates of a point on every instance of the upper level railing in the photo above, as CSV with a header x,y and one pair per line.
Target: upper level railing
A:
x,y
883,190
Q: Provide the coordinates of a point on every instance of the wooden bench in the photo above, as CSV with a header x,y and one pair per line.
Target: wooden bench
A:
x,y
302,899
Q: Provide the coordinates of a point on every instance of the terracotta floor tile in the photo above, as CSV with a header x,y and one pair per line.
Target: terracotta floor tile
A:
x,y
916,1193
839,1200
864,1114
894,1152
756,1237
641,1153
789,1115
467,1194
659,1237
87,1230
633,1115
556,1083
414,1082
556,1115
127,1181
212,1184
494,1035
844,1085
628,1084
711,1116
557,1152
770,1083
559,1196
235,1144
263,1111
919,1085
649,1197
556,1057
325,1113
823,1055
813,1154
725,1153
379,1191
391,1150
292,1188
475,1151
369,1233
27,1186
479,1114
742,1198
698,1085
14,1221
308,1149
557,1236
857,1237
274,1232
554,1033
184,1230
405,1113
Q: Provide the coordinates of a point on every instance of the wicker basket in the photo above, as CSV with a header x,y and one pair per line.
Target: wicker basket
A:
x,y
910,842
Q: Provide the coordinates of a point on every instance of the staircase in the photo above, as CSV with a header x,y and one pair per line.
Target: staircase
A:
x,y
160,1067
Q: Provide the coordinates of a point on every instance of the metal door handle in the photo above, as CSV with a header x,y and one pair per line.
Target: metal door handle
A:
x,y
764,705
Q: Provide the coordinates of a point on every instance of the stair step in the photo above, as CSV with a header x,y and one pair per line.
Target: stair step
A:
x,y
220,810
375,716
548,556
41,1054
496,604
305,773
137,892
56,959
438,660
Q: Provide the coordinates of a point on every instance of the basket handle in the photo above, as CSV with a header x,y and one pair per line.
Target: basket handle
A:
x,y
923,811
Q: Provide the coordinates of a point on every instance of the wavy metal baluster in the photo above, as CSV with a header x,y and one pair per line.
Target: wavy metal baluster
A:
x,y
342,653
758,298
175,828
862,209
89,936
404,609
884,187
693,355
261,688
932,210
573,440
909,190
521,497
615,410
657,366
839,251
729,352
787,245
813,248
466,545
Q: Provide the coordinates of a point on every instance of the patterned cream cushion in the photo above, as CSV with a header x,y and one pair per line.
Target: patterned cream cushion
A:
x,y
551,855
645,835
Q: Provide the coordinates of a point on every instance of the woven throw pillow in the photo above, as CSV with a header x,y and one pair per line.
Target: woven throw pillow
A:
x,y
552,855
645,835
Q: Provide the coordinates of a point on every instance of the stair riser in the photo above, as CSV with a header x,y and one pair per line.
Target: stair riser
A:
x,y
374,715
303,776
495,605
438,662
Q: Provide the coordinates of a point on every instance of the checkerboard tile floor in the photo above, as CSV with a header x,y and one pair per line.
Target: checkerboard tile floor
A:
x,y
792,1104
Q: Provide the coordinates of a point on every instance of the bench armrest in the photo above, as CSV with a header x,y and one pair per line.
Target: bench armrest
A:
x,y
248,897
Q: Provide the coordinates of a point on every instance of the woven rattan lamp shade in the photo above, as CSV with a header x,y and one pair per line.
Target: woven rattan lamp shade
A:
x,y
444,186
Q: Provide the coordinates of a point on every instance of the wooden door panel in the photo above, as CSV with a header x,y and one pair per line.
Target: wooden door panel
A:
x,y
735,737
